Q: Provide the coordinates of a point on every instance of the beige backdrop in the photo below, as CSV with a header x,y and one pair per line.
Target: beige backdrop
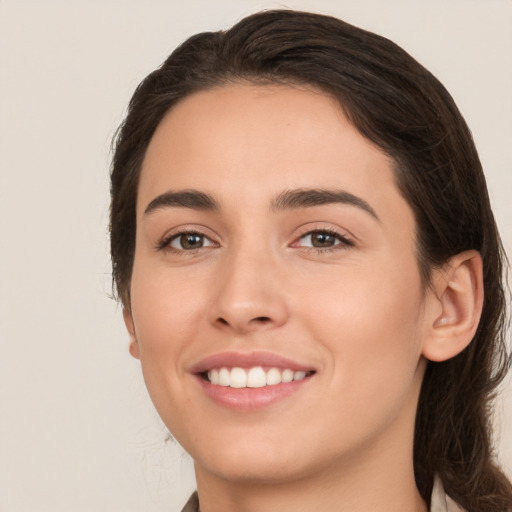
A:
x,y
77,431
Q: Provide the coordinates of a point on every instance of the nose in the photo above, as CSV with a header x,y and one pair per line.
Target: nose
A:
x,y
250,293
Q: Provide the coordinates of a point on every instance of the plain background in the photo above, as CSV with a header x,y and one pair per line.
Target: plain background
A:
x,y
77,430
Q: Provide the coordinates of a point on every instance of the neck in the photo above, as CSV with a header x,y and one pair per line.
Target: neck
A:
x,y
381,483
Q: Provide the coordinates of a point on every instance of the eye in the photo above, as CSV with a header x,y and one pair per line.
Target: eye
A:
x,y
323,239
188,241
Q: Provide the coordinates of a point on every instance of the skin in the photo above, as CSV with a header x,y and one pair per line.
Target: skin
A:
x,y
356,312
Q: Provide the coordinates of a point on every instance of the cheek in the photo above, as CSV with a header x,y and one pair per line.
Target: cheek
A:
x,y
369,322
166,308
165,317
374,343
167,314
359,299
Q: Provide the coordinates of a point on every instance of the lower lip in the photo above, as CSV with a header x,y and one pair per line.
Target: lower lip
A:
x,y
251,399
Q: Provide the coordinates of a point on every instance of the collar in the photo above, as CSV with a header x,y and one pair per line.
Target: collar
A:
x,y
440,501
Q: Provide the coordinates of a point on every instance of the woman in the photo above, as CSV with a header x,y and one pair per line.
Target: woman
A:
x,y
311,273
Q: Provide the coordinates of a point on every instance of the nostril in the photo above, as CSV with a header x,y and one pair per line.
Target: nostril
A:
x,y
262,319
245,323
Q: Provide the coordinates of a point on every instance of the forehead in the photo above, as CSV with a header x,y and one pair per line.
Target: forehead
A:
x,y
253,142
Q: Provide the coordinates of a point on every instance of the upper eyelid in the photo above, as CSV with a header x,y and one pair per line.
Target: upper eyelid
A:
x,y
334,230
335,234
343,239
214,237
193,228
171,235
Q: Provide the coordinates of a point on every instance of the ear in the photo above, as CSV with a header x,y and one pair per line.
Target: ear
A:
x,y
130,326
459,296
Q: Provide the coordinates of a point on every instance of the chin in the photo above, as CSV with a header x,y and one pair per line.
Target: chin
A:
x,y
248,461
259,469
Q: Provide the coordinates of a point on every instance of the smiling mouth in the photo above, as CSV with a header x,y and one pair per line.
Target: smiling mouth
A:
x,y
255,377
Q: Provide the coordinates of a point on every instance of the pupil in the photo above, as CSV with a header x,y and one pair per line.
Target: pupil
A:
x,y
322,240
191,241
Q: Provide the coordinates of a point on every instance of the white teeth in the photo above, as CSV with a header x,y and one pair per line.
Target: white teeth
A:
x,y
238,378
224,377
287,376
213,375
255,377
273,377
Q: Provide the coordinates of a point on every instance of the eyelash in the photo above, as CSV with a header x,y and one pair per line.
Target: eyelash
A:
x,y
165,243
343,242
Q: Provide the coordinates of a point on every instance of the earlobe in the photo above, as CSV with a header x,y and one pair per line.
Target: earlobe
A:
x,y
130,327
458,288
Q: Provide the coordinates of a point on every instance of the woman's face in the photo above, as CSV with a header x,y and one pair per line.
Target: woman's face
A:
x,y
273,244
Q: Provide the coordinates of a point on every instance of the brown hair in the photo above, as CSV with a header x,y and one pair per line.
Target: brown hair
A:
x,y
401,107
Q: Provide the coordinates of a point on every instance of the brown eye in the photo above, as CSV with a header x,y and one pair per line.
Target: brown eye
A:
x,y
189,241
323,240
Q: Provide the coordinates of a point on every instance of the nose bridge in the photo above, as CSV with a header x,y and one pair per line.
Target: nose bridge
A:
x,y
249,294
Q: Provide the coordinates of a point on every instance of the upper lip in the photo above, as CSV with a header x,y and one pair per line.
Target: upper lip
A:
x,y
247,360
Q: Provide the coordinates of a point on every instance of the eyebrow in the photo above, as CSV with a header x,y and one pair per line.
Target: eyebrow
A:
x,y
184,199
287,200
306,198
